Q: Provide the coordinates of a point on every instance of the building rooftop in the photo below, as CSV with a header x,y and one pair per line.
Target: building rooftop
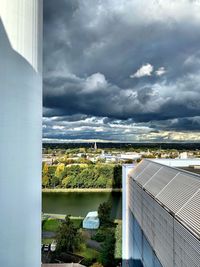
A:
x,y
179,162
178,191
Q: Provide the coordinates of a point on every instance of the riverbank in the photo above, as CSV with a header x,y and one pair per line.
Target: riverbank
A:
x,y
60,216
81,190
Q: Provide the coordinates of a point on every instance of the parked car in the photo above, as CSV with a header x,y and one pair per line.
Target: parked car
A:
x,y
46,247
53,246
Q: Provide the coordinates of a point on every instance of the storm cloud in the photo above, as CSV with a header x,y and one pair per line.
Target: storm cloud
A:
x,y
133,66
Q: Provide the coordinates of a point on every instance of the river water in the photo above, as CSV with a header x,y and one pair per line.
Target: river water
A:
x,y
79,204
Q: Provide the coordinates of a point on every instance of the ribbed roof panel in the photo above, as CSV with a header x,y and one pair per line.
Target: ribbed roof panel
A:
x,y
160,180
140,168
190,213
178,191
148,172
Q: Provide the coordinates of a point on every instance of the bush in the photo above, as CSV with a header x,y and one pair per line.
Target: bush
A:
x,y
99,236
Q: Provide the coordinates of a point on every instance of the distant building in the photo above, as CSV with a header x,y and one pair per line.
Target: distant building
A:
x,y
95,146
91,221
161,217
179,162
130,156
120,157
183,155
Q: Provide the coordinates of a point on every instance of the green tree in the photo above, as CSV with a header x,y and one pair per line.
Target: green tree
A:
x,y
117,181
108,251
54,181
59,170
45,181
66,182
101,182
45,169
68,237
104,212
45,175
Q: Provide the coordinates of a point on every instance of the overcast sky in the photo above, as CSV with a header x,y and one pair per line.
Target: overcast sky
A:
x,y
121,70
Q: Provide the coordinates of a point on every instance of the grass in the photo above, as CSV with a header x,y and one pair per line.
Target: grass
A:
x,y
118,236
77,222
51,225
87,253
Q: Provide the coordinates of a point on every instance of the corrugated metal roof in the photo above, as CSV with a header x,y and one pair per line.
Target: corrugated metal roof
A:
x,y
160,180
178,191
140,168
190,212
148,172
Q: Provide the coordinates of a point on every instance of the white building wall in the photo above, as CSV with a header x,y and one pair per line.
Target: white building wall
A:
x,y
20,132
125,214
23,22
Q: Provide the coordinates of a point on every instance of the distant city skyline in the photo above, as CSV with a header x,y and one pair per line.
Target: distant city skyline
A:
x,y
121,71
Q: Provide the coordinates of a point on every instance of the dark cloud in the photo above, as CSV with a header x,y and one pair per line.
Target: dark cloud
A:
x,y
178,124
92,47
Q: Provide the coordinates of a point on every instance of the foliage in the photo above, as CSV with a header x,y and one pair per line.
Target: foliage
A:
x,y
45,181
68,238
45,175
101,234
117,182
82,176
59,170
104,212
97,264
108,251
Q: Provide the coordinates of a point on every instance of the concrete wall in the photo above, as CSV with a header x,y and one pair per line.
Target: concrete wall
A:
x,y
20,133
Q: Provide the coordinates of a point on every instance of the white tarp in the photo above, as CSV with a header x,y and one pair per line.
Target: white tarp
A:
x,y
91,221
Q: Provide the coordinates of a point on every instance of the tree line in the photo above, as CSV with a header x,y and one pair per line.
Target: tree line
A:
x,y
82,176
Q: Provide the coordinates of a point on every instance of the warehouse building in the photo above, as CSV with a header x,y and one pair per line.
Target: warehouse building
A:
x,y
161,216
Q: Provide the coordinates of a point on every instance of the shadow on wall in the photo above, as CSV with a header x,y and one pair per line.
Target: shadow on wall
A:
x,y
6,48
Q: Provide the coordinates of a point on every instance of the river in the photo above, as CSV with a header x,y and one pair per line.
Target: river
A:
x,y
79,204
